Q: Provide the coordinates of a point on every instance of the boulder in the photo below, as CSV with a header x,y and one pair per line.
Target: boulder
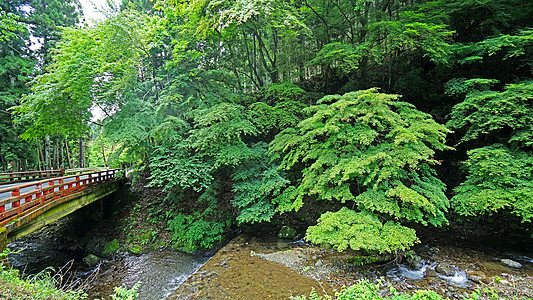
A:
x,y
476,276
415,262
445,269
96,245
287,232
91,260
511,263
111,247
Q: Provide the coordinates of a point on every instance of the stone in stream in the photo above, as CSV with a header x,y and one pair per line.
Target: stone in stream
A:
x,y
511,263
415,262
91,260
111,247
476,276
287,232
445,269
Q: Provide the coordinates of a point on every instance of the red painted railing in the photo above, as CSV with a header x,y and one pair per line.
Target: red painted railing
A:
x,y
29,175
26,198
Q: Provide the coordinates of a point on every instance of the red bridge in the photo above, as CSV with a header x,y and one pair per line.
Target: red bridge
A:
x,y
26,207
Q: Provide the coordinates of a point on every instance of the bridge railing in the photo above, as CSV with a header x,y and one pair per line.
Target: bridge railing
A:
x,y
29,176
27,198
15,177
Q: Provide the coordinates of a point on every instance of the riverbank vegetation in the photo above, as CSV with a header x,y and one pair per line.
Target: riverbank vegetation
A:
x,y
45,286
354,119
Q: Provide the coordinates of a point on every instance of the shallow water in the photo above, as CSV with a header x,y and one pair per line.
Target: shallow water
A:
x,y
159,271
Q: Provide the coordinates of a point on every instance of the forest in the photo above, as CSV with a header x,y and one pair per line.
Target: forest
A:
x,y
362,119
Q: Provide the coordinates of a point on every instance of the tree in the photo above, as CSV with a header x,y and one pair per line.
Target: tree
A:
x,y
373,151
499,166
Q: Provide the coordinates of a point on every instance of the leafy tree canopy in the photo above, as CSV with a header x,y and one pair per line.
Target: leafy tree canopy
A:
x,y
367,148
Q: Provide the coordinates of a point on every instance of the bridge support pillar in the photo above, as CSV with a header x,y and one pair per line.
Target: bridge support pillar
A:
x,y
3,246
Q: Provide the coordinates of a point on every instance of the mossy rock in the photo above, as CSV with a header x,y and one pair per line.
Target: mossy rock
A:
x,y
135,249
3,239
111,247
287,232
91,260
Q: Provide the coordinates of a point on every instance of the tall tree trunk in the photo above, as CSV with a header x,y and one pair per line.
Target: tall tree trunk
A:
x,y
55,164
81,152
40,158
47,153
103,152
68,154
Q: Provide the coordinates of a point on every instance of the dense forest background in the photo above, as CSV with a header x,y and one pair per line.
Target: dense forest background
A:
x,y
360,118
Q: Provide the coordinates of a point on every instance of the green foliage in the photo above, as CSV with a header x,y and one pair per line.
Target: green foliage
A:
x,y
255,182
123,293
191,234
498,179
41,286
270,120
219,132
9,25
492,114
360,231
91,66
498,175
510,45
365,290
371,149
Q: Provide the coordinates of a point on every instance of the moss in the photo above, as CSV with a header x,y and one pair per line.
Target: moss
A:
x,y
135,249
111,247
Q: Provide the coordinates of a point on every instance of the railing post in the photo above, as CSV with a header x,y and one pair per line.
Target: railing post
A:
x,y
39,194
51,183
61,187
16,193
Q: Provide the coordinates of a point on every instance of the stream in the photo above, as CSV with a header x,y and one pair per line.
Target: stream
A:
x,y
53,247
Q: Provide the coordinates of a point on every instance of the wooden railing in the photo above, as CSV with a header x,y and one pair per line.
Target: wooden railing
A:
x,y
15,177
27,198
29,176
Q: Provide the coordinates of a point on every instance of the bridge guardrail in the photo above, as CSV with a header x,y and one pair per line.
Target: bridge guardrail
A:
x,y
29,175
46,192
16,177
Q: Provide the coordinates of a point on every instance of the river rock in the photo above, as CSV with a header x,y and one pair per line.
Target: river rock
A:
x,y
91,260
511,263
96,245
445,269
415,262
431,273
111,247
476,276
287,232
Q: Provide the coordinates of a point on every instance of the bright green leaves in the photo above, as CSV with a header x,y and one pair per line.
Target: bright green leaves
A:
x,y
360,231
95,65
9,25
369,148
511,45
485,113
498,175
191,234
498,179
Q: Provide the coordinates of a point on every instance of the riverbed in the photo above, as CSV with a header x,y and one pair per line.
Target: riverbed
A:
x,y
263,266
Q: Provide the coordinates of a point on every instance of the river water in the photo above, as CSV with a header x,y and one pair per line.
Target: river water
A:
x,y
53,247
